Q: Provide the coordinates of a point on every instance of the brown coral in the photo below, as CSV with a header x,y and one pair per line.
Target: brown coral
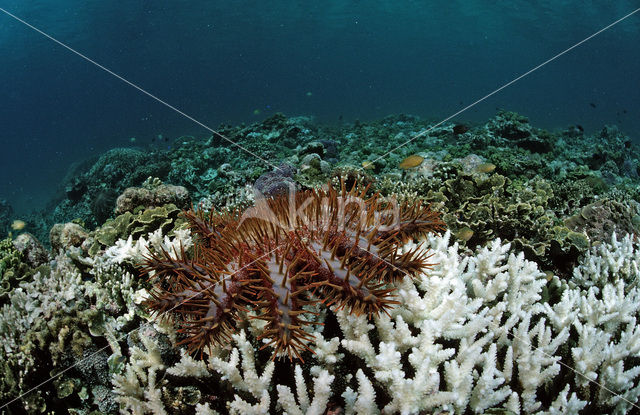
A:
x,y
328,246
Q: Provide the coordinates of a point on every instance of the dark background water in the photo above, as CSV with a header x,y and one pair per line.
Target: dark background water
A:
x,y
220,61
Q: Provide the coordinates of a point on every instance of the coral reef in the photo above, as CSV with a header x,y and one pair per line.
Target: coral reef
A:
x,y
530,304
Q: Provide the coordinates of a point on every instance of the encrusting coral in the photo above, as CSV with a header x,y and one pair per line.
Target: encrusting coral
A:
x,y
329,246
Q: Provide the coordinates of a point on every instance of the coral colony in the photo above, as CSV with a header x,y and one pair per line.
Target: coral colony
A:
x,y
326,246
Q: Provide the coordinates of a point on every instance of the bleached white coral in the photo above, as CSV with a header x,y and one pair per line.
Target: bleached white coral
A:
x,y
137,388
618,259
34,302
362,401
247,380
189,367
473,334
135,252
493,301
303,405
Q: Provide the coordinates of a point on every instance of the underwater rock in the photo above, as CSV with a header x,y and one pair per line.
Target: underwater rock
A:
x,y
66,235
460,129
331,153
91,190
226,170
127,167
76,189
314,147
610,172
600,219
510,125
32,251
516,129
629,168
161,195
327,150
276,121
276,182
103,204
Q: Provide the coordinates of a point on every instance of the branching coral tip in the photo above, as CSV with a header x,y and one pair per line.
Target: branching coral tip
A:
x,y
279,259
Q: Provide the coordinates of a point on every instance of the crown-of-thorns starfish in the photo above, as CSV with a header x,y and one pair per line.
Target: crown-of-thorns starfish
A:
x,y
333,247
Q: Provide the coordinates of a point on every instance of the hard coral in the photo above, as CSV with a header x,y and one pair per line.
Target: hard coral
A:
x,y
284,255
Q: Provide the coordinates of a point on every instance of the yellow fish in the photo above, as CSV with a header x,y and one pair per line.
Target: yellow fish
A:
x,y
18,225
465,234
411,161
367,165
486,168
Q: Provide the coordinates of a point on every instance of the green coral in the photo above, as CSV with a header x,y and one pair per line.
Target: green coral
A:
x,y
136,224
13,268
494,206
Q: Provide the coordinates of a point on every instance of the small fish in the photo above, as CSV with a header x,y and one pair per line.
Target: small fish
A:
x,y
465,234
309,94
18,225
592,105
367,165
460,129
486,168
581,128
256,111
411,161
132,139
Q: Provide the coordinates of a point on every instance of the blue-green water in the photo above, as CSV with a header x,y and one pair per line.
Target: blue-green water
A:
x,y
234,62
